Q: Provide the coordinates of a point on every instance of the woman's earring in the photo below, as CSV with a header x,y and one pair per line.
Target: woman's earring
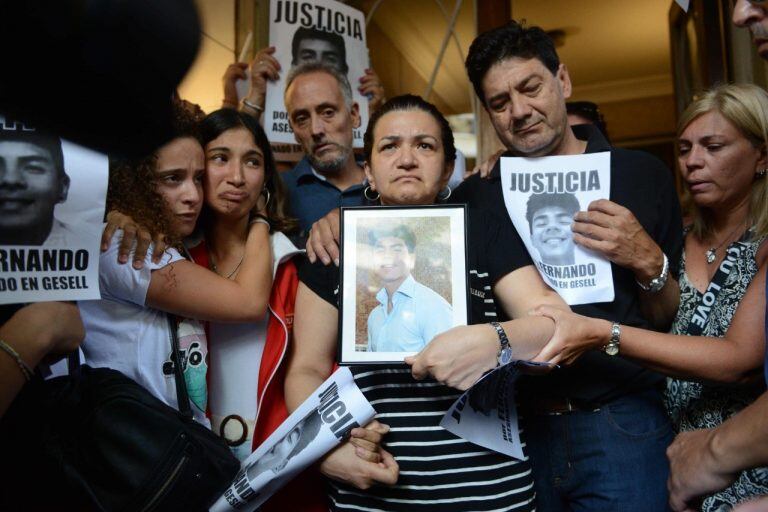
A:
x,y
266,202
372,199
445,193
760,174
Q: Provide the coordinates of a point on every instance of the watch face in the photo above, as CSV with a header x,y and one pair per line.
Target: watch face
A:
x,y
612,349
505,356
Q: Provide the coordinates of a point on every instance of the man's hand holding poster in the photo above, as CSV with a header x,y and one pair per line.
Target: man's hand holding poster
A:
x,y
52,196
315,427
306,31
541,196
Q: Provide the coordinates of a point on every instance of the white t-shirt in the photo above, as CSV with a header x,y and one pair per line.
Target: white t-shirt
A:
x,y
62,236
122,333
236,351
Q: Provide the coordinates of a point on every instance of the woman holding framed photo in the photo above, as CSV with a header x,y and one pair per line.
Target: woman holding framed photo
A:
x,y
410,151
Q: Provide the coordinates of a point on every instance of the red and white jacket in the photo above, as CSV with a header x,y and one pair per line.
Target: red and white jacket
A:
x,y
306,491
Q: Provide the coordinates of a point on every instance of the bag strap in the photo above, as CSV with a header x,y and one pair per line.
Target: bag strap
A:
x,y
703,307
182,397
73,361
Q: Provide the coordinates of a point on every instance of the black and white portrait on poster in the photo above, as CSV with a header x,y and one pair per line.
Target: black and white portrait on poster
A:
x,y
542,195
304,31
317,426
289,446
52,196
403,280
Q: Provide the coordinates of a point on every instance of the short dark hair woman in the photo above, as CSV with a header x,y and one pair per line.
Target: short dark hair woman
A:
x,y
410,153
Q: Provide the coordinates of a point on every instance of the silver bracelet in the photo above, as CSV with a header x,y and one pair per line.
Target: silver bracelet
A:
x,y
504,355
612,347
252,106
658,282
25,369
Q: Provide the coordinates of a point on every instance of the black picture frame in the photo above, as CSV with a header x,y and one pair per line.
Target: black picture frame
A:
x,y
356,257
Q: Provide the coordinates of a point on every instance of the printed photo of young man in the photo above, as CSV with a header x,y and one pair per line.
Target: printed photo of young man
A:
x,y
32,183
409,314
550,217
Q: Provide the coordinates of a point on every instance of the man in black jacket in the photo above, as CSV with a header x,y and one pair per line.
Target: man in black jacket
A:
x,y
596,431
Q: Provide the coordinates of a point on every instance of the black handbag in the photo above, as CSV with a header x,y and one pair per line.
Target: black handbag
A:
x,y
97,440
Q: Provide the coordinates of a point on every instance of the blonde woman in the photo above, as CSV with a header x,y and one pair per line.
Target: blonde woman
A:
x,y
722,159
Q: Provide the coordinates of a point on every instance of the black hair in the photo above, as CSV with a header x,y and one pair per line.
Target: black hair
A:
x,y
336,40
590,111
508,41
408,102
224,119
185,120
564,200
132,185
399,231
19,132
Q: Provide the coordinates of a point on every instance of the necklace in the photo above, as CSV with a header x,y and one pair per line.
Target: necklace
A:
x,y
711,254
216,269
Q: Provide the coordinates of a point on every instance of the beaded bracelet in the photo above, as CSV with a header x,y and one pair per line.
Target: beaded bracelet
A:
x,y
25,369
252,106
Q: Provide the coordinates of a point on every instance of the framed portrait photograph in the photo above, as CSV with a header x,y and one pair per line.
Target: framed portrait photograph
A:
x,y
403,280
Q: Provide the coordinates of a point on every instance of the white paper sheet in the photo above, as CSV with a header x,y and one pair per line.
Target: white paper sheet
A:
x,y
541,196
64,263
316,427
324,16
486,414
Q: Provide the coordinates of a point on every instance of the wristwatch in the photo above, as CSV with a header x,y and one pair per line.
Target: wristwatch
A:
x,y
612,348
505,352
658,282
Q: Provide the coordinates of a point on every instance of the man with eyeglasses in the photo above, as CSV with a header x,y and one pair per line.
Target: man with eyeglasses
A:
x,y
708,460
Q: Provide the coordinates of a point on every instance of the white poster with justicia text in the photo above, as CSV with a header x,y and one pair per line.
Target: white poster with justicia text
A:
x,y
542,195
314,31
316,427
